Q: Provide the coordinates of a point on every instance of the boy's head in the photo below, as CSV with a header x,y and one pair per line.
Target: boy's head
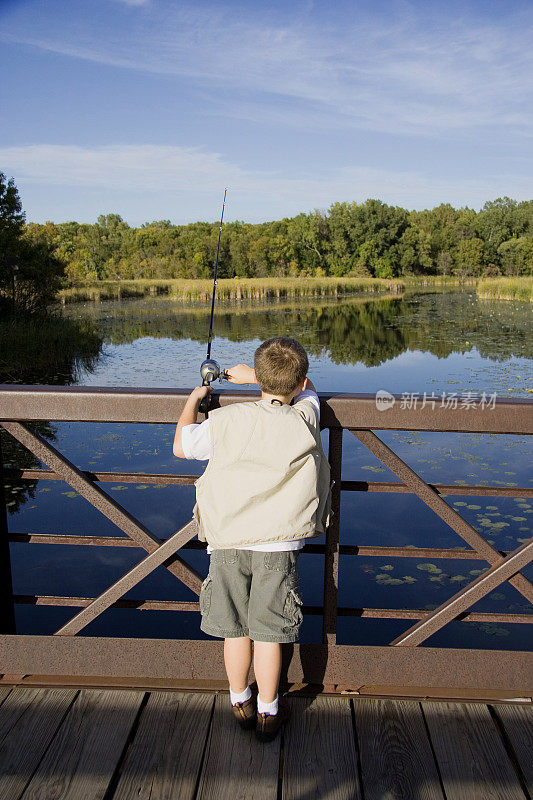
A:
x,y
280,365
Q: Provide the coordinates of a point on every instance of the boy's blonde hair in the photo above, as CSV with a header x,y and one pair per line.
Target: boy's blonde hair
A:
x,y
280,365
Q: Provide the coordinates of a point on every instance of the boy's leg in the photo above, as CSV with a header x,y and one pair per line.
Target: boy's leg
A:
x,y
274,617
267,668
238,660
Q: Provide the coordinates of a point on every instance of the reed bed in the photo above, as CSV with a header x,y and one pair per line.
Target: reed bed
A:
x,y
438,280
229,288
506,289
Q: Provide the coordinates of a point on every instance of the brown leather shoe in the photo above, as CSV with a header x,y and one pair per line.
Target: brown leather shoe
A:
x,y
245,713
268,725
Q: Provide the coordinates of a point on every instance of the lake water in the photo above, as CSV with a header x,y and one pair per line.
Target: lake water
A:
x,y
433,341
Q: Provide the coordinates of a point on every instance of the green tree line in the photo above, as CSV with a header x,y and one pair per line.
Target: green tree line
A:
x,y
365,239
370,239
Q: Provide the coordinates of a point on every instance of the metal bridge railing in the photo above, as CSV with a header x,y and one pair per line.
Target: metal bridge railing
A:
x,y
400,665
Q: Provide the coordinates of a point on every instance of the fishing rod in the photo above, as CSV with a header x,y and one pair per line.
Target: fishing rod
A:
x,y
210,369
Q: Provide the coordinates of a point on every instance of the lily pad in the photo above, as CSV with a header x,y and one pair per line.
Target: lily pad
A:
x,y
428,567
492,629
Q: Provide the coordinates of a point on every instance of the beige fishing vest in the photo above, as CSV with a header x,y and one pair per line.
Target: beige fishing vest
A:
x,y
267,480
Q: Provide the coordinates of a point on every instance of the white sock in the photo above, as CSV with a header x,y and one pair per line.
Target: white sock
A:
x,y
267,708
240,697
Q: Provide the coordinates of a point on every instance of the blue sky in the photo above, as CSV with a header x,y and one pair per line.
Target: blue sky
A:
x,y
149,108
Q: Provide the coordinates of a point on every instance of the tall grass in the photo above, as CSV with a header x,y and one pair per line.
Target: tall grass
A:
x,y
229,288
438,280
506,289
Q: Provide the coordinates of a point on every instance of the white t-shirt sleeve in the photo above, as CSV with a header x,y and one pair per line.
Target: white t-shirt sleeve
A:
x,y
308,404
196,441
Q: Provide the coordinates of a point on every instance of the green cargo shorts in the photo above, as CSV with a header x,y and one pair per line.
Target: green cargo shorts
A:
x,y
252,593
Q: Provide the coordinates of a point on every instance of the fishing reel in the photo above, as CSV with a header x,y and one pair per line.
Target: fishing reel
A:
x,y
210,371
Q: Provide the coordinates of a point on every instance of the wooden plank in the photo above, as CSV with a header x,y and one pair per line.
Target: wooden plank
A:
x,y
4,691
470,753
517,721
320,757
29,719
166,754
396,757
80,761
237,766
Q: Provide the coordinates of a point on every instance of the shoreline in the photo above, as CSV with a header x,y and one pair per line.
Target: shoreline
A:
x,y
259,289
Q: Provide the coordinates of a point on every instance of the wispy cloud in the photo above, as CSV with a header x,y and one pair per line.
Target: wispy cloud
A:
x,y
133,2
147,167
414,74
154,169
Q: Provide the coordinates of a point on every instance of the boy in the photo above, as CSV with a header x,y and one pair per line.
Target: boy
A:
x,y
265,490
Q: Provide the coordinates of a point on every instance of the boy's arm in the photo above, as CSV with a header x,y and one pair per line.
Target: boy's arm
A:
x,y
308,405
242,373
188,416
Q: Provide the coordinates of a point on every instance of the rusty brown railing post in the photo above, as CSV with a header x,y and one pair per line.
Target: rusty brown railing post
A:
x,y
331,559
7,605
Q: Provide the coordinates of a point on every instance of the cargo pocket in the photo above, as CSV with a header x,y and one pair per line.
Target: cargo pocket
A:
x,y
280,561
205,596
224,557
293,611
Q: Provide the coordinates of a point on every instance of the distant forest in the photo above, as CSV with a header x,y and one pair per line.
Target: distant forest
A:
x,y
349,239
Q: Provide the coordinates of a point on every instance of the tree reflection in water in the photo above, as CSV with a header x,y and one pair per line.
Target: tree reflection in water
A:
x,y
44,349
365,330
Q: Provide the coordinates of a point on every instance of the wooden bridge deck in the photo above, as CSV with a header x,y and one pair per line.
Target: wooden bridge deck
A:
x,y
118,744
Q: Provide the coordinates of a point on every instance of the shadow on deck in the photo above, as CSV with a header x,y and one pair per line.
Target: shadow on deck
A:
x,y
118,744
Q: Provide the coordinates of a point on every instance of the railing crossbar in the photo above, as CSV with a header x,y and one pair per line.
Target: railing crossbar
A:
x,y
346,486
188,606
370,551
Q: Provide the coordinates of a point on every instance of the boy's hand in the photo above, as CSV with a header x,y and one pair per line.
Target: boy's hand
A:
x,y
241,373
199,392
